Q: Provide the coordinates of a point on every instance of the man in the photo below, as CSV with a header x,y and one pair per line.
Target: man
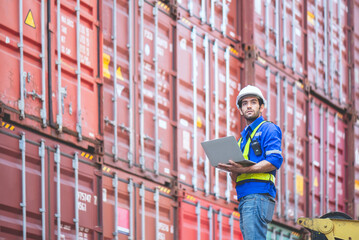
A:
x,y
260,143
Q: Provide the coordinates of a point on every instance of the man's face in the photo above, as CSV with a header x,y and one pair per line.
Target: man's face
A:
x,y
250,108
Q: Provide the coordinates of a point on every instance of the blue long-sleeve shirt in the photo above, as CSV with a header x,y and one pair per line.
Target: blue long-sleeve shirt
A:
x,y
269,136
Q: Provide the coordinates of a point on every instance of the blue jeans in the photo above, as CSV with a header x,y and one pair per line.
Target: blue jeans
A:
x,y
256,211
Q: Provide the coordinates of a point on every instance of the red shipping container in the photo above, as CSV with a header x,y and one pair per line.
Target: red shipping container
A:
x,y
208,75
137,207
64,84
144,132
287,107
199,219
218,18
49,188
328,50
328,180
313,171
276,29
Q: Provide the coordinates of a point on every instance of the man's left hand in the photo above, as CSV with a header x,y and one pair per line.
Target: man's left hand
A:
x,y
232,167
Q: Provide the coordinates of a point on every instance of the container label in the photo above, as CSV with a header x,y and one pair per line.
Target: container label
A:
x,y
162,124
104,195
300,185
182,177
123,221
83,200
183,43
163,230
357,156
29,20
186,140
184,122
258,6
357,185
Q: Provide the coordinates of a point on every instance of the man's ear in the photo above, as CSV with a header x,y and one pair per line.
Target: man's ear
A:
x,y
261,109
240,111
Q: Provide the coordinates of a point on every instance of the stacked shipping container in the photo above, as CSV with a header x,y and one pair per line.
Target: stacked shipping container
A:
x,y
121,138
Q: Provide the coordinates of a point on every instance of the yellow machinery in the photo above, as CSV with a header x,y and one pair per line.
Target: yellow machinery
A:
x,y
332,226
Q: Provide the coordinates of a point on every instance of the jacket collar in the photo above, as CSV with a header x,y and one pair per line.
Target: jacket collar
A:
x,y
252,126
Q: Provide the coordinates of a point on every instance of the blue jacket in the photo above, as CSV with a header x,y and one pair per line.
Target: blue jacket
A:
x,y
269,136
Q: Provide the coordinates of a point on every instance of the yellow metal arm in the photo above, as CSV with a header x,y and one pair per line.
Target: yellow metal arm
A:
x,y
332,228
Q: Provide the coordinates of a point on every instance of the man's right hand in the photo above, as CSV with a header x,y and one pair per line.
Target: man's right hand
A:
x,y
233,176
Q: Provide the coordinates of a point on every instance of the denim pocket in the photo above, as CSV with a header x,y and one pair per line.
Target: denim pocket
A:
x,y
270,204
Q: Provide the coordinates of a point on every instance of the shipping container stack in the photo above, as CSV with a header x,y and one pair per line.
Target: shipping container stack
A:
x,y
104,104
299,54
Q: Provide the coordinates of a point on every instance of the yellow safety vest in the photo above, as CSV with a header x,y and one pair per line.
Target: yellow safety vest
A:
x,y
255,176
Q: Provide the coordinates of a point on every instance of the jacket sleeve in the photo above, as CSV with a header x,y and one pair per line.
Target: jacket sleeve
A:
x,y
272,145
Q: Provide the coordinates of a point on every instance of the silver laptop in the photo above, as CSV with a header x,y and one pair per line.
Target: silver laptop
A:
x,y
222,150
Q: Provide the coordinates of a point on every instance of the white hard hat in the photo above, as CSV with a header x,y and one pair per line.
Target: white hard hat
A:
x,y
250,91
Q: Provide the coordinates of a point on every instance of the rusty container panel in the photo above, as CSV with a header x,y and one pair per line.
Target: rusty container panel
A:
x,y
327,50
218,18
137,207
26,99
199,218
144,132
277,33
197,57
327,159
43,177
287,107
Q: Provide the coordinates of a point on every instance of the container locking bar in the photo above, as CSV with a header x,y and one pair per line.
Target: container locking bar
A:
x,y
43,204
22,144
194,83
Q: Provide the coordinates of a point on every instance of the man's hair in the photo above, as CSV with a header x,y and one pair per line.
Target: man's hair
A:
x,y
260,100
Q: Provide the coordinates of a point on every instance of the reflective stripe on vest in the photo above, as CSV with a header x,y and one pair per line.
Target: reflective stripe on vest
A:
x,y
253,176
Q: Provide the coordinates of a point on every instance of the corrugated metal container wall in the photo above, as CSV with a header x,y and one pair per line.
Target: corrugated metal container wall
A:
x,y
218,18
327,160
51,189
140,209
287,107
142,113
70,75
199,219
315,156
207,72
277,32
327,50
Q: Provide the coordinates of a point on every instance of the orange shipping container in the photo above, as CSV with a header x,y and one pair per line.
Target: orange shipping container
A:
x,y
50,58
